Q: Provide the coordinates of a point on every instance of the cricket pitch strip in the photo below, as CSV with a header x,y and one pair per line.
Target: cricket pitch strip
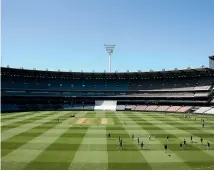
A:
x,y
85,121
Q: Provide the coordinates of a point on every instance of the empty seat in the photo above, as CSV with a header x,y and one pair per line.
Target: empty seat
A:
x,y
211,111
162,108
184,109
151,108
202,109
173,108
142,107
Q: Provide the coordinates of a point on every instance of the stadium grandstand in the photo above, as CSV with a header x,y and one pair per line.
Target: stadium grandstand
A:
x,y
188,90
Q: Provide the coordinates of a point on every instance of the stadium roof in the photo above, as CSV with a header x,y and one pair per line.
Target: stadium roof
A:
x,y
183,72
211,57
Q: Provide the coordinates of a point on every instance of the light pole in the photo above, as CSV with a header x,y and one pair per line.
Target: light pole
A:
x,y
110,50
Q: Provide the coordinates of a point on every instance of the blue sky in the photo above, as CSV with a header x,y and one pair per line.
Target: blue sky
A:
x,y
70,34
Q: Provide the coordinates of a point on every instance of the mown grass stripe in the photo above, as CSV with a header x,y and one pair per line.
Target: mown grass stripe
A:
x,y
196,139
30,116
60,152
143,134
19,140
97,157
5,116
22,122
181,121
118,158
178,139
21,163
23,128
54,152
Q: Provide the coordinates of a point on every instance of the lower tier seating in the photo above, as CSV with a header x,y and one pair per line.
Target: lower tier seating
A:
x,y
202,109
162,108
151,108
211,111
9,107
184,109
120,107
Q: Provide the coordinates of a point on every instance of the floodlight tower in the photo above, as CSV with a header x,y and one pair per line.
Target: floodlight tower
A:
x,y
110,50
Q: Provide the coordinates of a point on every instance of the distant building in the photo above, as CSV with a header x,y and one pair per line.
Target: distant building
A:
x,y
211,62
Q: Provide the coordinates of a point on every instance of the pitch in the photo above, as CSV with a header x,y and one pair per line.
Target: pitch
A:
x,y
55,140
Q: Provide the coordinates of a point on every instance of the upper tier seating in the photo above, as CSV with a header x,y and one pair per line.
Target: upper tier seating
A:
x,y
175,84
59,84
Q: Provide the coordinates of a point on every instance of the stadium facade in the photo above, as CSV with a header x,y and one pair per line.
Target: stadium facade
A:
x,y
188,90
211,62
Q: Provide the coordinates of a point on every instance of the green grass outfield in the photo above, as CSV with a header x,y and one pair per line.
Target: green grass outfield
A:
x,y
36,140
